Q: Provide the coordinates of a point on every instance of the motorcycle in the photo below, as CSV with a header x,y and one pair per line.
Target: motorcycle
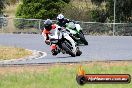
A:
x,y
76,33
60,44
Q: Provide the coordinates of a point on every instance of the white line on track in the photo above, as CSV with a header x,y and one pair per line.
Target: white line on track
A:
x,y
36,55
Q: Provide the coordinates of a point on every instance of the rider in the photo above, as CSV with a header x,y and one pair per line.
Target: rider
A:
x,y
49,29
61,20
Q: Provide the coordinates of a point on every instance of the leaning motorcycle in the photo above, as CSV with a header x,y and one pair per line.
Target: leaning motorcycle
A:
x,y
76,33
60,44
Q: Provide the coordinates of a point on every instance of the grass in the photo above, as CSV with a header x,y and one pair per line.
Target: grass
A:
x,y
11,10
7,53
60,76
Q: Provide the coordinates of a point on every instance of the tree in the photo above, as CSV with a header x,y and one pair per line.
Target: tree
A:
x,y
97,2
123,9
2,6
40,9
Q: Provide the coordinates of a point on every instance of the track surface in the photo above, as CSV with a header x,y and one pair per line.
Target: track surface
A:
x,y
100,48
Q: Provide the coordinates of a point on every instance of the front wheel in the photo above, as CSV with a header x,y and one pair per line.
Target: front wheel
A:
x,y
82,38
69,51
78,53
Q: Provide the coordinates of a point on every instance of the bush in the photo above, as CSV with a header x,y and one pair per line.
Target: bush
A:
x,y
40,9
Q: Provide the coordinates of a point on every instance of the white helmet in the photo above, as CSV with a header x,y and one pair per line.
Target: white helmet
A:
x,y
60,16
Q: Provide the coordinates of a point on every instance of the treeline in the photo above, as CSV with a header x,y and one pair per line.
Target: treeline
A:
x,y
101,10
123,10
2,6
98,11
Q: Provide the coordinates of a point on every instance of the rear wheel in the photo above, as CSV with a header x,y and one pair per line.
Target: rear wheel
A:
x,y
68,50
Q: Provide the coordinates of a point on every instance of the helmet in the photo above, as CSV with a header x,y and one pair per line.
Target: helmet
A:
x,y
48,24
60,17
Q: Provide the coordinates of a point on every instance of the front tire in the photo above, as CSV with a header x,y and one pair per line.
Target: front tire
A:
x,y
69,51
81,35
78,53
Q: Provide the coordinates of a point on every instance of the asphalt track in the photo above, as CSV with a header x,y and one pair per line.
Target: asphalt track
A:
x,y
100,48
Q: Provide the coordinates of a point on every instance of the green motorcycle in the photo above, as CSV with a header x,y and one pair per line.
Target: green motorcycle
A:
x,y
76,33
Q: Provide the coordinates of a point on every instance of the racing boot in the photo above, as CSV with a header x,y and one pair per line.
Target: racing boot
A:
x,y
54,49
54,52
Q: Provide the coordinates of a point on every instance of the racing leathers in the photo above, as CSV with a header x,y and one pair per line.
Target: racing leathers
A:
x,y
63,22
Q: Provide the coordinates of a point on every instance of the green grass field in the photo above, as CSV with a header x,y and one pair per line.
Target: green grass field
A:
x,y
60,76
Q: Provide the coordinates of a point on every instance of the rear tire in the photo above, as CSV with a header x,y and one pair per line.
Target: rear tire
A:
x,y
67,50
